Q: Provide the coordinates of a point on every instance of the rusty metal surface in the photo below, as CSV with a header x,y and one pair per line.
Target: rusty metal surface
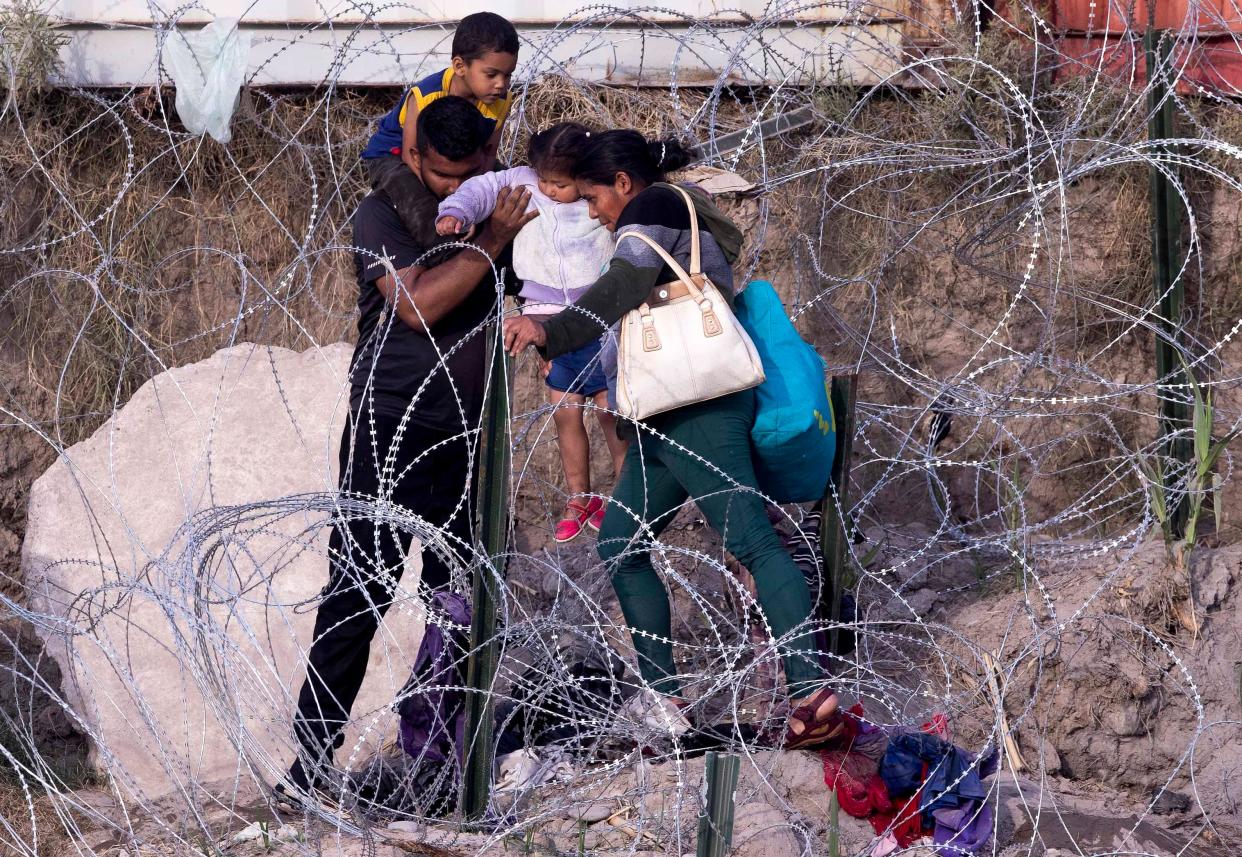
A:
x,y
1190,17
926,21
1106,35
1213,64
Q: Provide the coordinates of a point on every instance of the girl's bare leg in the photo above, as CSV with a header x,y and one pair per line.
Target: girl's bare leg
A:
x,y
571,438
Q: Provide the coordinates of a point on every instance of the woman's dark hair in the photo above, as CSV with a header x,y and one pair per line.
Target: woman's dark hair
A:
x,y
482,33
646,161
453,127
556,149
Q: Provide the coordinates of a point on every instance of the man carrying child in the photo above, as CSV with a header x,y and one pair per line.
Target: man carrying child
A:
x,y
485,52
417,379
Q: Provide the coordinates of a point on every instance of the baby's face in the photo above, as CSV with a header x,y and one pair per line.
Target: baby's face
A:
x,y
558,188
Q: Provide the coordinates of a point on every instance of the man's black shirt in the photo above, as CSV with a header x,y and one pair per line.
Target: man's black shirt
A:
x,y
393,364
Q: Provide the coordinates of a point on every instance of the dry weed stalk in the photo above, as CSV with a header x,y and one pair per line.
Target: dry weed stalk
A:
x,y
30,47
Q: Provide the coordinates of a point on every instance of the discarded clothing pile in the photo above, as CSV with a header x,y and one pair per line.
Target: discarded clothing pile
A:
x,y
911,785
569,705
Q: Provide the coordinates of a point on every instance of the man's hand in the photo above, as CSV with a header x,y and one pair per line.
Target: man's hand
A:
x,y
508,218
449,226
523,332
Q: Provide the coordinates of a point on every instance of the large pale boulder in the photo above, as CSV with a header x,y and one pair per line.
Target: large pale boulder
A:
x,y
174,559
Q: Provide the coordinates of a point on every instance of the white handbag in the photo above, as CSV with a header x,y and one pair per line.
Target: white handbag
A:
x,y
683,345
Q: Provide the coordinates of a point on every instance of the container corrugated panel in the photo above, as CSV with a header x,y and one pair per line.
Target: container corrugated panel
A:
x,y
1106,36
1213,64
834,44
1191,17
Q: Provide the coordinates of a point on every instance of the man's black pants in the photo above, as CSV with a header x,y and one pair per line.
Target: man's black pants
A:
x,y
432,480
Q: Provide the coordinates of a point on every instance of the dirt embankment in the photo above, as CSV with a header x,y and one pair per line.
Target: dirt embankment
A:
x,y
1106,680
1046,369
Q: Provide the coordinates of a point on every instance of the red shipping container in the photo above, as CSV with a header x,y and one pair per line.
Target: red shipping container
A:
x,y
1214,64
1106,37
1190,17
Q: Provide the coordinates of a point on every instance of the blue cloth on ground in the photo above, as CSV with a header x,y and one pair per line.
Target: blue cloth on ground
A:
x,y
953,798
794,435
953,774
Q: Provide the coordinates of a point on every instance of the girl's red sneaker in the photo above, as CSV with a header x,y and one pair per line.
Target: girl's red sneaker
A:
x,y
578,516
597,517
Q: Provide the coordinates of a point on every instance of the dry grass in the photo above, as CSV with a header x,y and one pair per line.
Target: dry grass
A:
x,y
923,220
562,99
174,253
35,826
907,209
206,245
29,49
146,249
210,245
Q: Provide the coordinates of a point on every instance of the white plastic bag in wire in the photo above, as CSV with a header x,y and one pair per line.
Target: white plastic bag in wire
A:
x,y
208,67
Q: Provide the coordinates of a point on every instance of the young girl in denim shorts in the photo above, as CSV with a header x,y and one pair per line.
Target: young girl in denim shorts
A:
x,y
558,255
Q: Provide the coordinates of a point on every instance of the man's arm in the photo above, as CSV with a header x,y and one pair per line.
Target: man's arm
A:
x,y
409,131
422,296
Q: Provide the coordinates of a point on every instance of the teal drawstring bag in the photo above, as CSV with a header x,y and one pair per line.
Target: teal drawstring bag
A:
x,y
794,436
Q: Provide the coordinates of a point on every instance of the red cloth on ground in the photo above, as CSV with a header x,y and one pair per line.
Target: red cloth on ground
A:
x,y
938,726
909,828
861,791
852,776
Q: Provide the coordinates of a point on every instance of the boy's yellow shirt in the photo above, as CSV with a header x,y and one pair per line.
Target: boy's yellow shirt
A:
x,y
386,141
429,89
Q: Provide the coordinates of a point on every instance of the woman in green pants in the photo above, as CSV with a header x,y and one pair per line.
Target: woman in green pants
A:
x,y
700,451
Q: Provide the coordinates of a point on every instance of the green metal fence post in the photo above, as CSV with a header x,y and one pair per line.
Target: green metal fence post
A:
x,y
493,528
834,824
1166,229
716,823
833,534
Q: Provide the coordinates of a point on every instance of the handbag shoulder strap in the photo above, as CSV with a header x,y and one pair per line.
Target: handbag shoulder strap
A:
x,y
696,266
695,259
672,263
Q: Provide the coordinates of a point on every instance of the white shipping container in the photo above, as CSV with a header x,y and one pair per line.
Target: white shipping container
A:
x,y
539,12
693,42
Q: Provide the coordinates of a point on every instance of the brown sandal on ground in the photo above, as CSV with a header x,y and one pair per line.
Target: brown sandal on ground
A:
x,y
817,729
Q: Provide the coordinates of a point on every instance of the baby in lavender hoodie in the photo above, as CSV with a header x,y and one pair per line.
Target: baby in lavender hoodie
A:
x,y
558,256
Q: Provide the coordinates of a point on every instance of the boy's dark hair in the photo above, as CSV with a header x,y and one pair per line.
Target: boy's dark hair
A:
x,y
626,151
481,33
453,127
556,149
